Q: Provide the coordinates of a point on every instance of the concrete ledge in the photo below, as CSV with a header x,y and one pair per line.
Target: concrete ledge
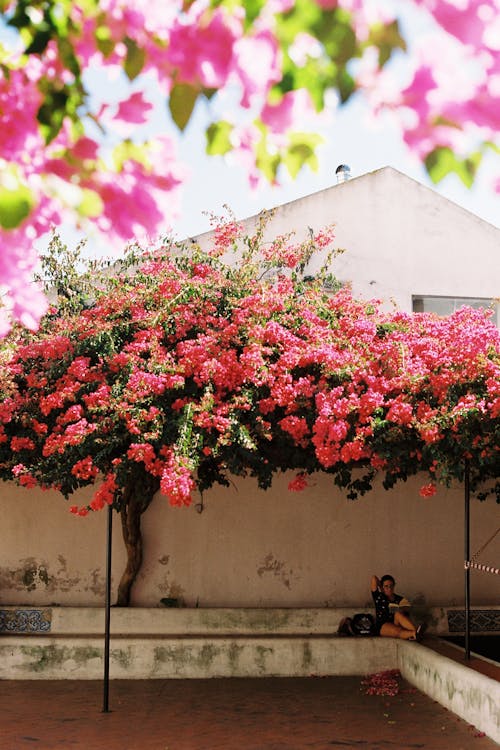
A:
x,y
469,694
213,621
166,621
194,657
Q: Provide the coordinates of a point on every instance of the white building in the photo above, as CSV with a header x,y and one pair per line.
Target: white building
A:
x,y
404,243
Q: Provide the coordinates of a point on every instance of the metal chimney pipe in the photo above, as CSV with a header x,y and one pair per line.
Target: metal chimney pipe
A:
x,y
343,173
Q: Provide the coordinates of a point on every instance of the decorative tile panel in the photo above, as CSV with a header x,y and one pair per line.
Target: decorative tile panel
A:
x,y
25,620
481,620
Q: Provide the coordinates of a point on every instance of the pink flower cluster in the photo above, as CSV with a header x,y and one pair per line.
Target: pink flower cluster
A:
x,y
208,371
56,169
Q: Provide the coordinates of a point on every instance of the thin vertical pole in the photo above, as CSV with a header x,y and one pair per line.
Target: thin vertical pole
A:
x,y
107,610
467,559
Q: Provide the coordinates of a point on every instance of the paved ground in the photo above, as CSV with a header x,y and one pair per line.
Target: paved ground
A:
x,y
331,713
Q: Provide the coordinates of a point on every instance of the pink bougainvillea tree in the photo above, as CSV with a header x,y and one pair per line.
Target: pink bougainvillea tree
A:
x,y
80,82
189,366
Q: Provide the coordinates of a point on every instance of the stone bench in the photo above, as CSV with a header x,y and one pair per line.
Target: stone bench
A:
x,y
58,643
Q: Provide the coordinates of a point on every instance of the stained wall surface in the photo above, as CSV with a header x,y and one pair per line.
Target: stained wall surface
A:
x,y
252,548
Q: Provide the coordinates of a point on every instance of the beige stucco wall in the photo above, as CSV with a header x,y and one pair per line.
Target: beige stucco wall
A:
x,y
252,548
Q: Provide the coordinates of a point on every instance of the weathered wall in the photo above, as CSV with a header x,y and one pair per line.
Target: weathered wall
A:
x,y
252,548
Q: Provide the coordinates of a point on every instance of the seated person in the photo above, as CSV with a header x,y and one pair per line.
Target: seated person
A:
x,y
391,611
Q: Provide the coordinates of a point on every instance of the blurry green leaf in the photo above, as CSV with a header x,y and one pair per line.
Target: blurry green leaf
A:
x,y
337,35
346,85
19,18
15,206
134,60
266,162
219,138
181,103
493,146
295,158
442,162
252,11
68,56
302,152
91,204
104,41
127,150
39,42
386,38
52,112
333,29
302,17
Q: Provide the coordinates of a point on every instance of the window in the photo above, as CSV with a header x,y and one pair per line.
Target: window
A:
x,y
448,305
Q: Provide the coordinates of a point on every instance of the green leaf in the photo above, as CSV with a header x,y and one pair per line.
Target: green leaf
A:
x,y
346,85
301,152
493,146
134,60
219,138
387,38
91,204
52,112
15,206
68,56
181,103
267,163
127,150
252,11
104,40
442,162
39,42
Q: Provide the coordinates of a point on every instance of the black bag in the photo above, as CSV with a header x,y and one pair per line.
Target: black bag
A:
x,y
345,627
363,624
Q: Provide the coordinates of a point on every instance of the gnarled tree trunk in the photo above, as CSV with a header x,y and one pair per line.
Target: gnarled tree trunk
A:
x,y
136,499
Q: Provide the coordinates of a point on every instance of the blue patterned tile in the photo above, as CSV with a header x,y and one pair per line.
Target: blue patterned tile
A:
x,y
25,620
481,620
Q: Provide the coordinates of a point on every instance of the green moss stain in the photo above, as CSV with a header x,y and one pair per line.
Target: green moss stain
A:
x,y
306,657
182,657
122,657
46,658
233,657
262,652
450,689
255,620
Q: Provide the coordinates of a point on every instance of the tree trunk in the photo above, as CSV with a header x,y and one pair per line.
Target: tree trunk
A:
x,y
136,500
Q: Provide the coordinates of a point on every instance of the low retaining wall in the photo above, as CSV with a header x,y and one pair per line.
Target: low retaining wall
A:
x,y
62,643
68,643
469,694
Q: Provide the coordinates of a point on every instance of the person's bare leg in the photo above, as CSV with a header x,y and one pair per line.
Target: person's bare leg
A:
x,y
404,622
391,630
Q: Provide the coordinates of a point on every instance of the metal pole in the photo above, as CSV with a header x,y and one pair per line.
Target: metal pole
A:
x,y
467,559
107,609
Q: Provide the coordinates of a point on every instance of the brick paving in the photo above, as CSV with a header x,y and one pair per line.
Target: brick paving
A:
x,y
332,713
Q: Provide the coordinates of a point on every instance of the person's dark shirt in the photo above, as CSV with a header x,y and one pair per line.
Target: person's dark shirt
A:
x,y
382,611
